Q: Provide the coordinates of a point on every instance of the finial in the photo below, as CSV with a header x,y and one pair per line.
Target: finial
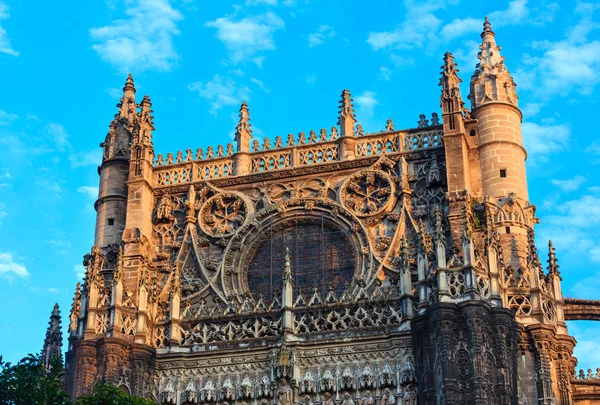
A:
x,y
487,28
129,86
347,117
552,262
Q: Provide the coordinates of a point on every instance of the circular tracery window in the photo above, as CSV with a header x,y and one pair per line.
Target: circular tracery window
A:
x,y
322,256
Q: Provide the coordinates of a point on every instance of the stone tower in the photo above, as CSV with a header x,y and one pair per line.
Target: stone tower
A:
x,y
333,266
53,342
494,104
111,206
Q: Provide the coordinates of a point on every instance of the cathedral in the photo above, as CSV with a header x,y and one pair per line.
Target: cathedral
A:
x,y
333,267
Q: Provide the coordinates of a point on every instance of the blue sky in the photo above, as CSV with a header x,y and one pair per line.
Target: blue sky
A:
x,y
62,68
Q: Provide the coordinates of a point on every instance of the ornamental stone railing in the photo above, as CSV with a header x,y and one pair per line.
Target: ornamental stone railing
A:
x,y
353,310
300,151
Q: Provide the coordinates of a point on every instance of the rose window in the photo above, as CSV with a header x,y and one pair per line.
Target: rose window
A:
x,y
322,257
367,193
222,214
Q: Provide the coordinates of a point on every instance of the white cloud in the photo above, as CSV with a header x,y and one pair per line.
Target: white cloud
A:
x,y
79,270
583,212
10,268
570,184
90,192
5,46
461,26
143,40
244,39
531,109
221,92
541,140
59,135
6,118
365,103
516,12
414,32
260,84
587,349
572,227
87,158
323,32
385,73
560,67
422,28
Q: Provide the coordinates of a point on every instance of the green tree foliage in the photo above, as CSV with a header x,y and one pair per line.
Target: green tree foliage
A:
x,y
109,395
28,383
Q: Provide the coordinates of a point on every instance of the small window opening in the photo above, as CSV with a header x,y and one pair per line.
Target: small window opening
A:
x,y
502,172
508,229
111,221
472,133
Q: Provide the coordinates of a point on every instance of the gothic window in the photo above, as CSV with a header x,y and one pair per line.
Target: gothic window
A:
x,y
321,255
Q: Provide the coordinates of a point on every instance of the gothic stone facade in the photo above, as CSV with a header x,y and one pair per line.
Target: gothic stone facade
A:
x,y
338,267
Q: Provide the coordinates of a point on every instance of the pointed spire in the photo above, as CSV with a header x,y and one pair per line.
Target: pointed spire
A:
x,y
243,131
75,308
53,340
146,112
449,79
552,261
347,117
491,82
451,100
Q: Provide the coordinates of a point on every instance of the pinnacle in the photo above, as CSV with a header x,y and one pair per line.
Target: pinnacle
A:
x,y
346,118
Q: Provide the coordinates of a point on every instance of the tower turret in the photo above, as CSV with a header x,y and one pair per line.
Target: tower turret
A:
x,y
111,206
494,105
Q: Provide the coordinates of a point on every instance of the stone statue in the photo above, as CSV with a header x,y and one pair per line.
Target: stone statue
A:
x,y
347,399
307,400
164,209
284,394
387,398
367,399
328,400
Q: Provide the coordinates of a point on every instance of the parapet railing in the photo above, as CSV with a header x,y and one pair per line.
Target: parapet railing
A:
x,y
589,376
329,312
300,151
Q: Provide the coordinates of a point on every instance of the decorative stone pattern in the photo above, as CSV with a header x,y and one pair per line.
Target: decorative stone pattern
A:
x,y
335,267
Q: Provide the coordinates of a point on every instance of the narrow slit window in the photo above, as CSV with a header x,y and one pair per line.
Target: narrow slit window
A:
x,y
508,229
502,172
111,221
